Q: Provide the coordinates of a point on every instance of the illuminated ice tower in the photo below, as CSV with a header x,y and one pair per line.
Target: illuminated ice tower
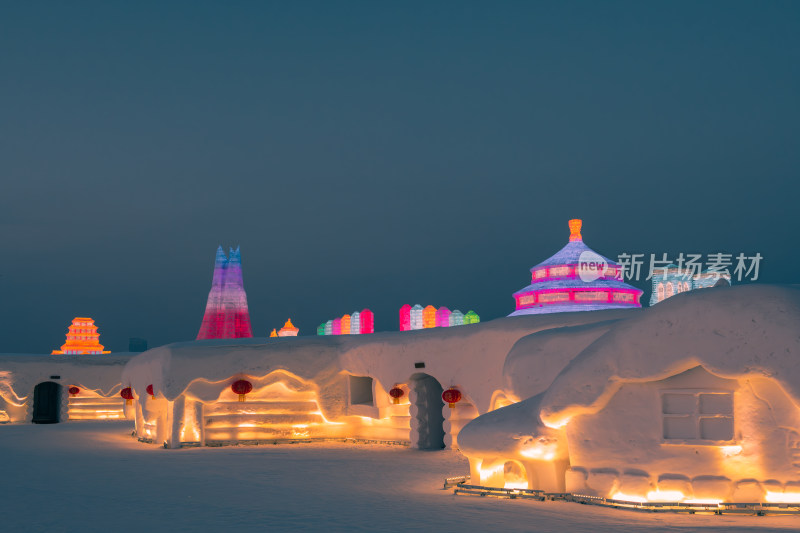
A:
x,y
226,314
575,279
82,338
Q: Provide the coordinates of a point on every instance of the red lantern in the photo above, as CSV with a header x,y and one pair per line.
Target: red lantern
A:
x,y
241,387
127,393
452,397
150,391
396,393
74,390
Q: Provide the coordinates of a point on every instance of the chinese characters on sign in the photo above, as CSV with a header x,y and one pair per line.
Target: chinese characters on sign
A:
x,y
716,265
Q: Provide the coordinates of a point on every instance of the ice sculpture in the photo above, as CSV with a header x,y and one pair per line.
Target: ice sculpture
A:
x,y
471,317
345,325
405,318
429,317
82,338
337,326
329,327
443,317
416,317
288,330
355,323
226,316
367,321
321,329
456,318
575,279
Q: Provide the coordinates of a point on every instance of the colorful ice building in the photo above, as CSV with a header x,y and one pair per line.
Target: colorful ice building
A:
x,y
82,338
671,280
288,330
359,323
226,316
575,279
417,317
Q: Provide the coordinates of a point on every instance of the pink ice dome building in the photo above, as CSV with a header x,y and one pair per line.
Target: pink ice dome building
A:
x,y
575,279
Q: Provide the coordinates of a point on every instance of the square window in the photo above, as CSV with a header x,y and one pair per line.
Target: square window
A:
x,y
716,404
678,403
680,427
717,428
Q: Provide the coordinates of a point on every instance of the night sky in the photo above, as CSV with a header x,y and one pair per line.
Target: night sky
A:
x,y
372,154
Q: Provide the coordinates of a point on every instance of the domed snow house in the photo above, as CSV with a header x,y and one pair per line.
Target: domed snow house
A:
x,y
694,400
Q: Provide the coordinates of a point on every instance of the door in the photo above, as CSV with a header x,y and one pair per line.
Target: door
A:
x,y
46,403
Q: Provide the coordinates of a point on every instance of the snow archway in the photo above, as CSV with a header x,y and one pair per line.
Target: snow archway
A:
x,y
427,421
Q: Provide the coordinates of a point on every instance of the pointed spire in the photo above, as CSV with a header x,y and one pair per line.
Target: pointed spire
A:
x,y
575,229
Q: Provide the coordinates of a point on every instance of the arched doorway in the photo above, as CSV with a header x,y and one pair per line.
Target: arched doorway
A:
x,y
427,432
46,403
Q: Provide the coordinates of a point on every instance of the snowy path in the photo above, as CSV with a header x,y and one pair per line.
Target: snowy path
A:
x,y
93,476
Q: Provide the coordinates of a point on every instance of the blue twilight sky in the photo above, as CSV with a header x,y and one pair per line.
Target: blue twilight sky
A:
x,y
371,154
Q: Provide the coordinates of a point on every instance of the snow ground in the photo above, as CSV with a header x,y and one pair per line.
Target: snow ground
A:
x,y
93,476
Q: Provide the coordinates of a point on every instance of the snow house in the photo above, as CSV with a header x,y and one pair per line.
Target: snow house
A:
x,y
695,400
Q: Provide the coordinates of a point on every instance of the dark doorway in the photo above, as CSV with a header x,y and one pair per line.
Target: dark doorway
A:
x,y
46,403
427,421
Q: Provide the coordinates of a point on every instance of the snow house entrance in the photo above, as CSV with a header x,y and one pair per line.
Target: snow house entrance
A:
x,y
427,431
46,403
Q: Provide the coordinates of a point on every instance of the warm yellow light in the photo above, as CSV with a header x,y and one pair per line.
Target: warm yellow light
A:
x,y
665,496
707,501
544,452
560,424
486,473
627,498
516,485
783,497
730,451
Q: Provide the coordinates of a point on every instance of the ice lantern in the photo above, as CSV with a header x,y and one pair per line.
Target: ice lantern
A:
x,y
367,321
405,318
443,317
416,317
429,317
355,323
345,325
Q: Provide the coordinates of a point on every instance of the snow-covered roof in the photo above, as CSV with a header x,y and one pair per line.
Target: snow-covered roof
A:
x,y
569,255
20,373
470,357
747,330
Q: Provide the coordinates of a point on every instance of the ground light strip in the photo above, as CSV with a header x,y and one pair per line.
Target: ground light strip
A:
x,y
461,486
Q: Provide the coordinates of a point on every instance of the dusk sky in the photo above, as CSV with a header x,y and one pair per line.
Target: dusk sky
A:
x,y
372,154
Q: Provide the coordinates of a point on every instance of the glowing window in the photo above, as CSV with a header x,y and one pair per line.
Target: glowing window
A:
x,y
697,416
541,273
559,272
361,390
591,296
527,299
623,297
549,297
660,291
670,289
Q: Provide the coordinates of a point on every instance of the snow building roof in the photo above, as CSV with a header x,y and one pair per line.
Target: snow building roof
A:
x,y
732,332
470,357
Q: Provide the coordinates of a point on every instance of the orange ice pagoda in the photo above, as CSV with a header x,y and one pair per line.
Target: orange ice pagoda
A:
x,y
288,330
82,338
